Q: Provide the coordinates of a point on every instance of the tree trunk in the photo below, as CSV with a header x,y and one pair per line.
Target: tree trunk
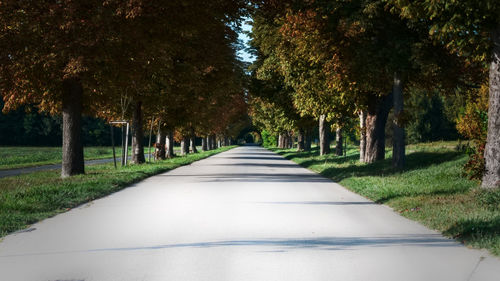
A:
x,y
169,144
300,140
307,140
376,118
204,144
192,145
362,139
192,142
491,178
339,140
280,141
72,149
137,135
209,142
184,146
160,142
398,138
213,142
324,141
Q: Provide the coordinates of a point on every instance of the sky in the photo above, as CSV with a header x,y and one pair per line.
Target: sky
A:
x,y
244,55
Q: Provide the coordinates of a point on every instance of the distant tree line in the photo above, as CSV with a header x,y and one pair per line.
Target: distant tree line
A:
x,y
26,126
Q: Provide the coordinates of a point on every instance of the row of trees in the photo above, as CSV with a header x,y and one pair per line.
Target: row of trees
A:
x,y
336,61
170,62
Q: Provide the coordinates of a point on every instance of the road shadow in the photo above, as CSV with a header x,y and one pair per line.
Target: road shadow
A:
x,y
291,244
331,203
256,177
271,156
320,243
270,165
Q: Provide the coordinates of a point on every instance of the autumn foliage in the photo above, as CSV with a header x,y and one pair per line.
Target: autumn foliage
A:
x,y
473,124
144,61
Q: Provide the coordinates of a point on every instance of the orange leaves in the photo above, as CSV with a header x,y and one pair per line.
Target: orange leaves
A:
x,y
350,29
472,123
74,68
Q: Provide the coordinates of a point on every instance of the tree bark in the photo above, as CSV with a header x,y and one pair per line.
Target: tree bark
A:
x,y
184,146
324,141
362,139
72,149
491,178
300,140
137,135
169,144
192,142
398,137
213,142
280,140
307,140
339,140
160,142
376,118
204,144
209,142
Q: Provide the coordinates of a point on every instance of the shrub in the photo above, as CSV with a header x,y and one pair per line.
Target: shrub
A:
x,y
268,140
473,124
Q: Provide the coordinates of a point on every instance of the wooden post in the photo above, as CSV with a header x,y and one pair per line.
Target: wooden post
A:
x,y
113,144
150,133
126,144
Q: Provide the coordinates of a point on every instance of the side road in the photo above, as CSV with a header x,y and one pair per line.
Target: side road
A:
x,y
245,214
27,170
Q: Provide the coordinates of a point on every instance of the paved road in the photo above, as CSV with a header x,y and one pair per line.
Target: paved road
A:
x,y
246,214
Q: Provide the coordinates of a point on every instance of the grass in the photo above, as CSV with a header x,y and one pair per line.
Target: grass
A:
x,y
14,157
26,199
431,189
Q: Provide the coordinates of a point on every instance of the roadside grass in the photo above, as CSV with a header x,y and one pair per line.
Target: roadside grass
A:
x,y
431,189
26,199
15,157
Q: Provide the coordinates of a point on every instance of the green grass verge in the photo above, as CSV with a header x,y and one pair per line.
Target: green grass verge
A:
x,y
26,199
430,190
15,157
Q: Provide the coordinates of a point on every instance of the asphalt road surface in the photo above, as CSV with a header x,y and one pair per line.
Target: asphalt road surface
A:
x,y
245,214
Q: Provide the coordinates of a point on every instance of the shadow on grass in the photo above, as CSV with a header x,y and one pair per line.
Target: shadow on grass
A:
x,y
477,231
414,161
402,193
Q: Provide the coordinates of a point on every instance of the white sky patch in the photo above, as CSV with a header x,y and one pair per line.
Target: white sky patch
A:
x,y
243,54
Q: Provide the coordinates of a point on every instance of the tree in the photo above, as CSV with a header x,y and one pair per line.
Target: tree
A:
x,y
470,29
48,53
